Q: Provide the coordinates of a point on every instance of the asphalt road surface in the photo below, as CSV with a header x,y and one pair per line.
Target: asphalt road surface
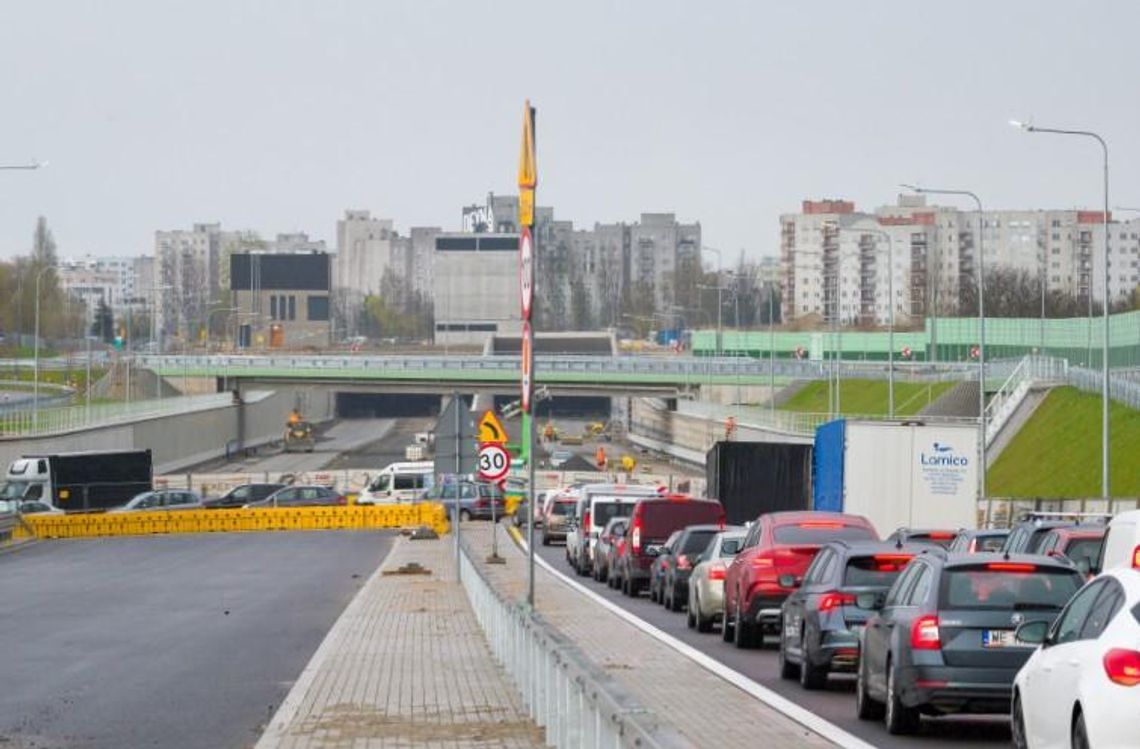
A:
x,y
345,435
388,448
836,704
166,641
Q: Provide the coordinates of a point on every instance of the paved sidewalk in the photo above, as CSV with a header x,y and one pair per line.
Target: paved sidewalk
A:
x,y
709,711
406,665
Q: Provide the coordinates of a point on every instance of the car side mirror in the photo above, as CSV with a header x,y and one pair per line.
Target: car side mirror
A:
x,y
870,601
788,581
1033,633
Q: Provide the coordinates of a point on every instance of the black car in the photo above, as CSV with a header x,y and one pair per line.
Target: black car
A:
x,y
972,541
944,640
676,568
1026,536
242,495
656,579
929,536
821,621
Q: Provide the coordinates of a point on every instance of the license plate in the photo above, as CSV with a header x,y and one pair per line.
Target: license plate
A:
x,y
1002,638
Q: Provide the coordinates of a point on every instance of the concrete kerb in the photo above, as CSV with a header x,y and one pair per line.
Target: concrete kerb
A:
x,y
278,726
628,720
804,717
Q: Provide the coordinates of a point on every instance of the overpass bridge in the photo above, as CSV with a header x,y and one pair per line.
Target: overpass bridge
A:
x,y
590,375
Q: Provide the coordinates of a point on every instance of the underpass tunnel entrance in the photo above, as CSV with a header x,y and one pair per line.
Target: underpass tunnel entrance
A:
x,y
566,406
386,405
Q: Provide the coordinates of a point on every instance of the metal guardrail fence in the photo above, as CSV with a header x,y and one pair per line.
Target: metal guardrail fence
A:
x,y
26,422
1122,389
1004,512
577,703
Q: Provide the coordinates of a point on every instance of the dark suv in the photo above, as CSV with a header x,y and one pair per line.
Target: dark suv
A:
x,y
944,640
820,623
1026,536
652,521
239,496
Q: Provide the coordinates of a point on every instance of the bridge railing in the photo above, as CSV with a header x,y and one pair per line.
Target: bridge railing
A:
x,y
576,702
28,422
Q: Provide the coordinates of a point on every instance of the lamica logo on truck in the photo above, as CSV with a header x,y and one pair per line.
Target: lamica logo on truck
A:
x,y
943,456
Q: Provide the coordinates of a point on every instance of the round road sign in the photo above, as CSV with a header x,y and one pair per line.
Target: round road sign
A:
x,y
494,462
526,271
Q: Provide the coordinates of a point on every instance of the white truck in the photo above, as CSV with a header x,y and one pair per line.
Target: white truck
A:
x,y
898,474
80,481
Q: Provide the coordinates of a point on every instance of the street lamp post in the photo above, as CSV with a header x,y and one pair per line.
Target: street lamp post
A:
x,y
36,351
890,314
981,323
1105,483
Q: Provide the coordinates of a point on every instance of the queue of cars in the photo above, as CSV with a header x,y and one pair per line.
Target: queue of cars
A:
x,y
927,621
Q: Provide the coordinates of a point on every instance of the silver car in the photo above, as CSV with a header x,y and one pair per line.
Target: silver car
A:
x,y
162,499
706,584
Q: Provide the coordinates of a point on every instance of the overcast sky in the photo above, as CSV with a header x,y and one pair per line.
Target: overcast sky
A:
x,y
278,116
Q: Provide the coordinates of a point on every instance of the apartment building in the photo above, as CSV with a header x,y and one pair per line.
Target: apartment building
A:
x,y
841,264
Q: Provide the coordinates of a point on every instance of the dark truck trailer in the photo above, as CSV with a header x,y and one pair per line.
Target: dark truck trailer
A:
x,y
753,478
98,480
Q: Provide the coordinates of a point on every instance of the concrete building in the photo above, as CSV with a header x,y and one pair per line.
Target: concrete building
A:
x,y
835,260
282,299
476,287
91,285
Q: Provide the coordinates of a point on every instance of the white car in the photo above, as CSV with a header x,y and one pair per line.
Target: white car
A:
x,y
1081,687
1122,542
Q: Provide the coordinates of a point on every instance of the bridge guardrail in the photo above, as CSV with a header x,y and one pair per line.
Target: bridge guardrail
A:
x,y
1003,512
577,702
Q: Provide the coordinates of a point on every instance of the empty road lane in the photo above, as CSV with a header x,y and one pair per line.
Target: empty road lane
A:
x,y
167,641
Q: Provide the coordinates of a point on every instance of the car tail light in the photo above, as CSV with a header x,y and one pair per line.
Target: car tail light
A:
x,y
891,562
342,500
1011,567
635,536
820,524
761,560
1136,558
716,571
1122,666
586,521
924,634
940,535
481,502
834,600
683,562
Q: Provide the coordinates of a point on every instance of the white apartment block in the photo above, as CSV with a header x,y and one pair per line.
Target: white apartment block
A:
x,y
117,281
841,264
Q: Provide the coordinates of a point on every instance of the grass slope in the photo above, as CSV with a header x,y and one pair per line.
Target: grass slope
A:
x,y
1058,452
868,397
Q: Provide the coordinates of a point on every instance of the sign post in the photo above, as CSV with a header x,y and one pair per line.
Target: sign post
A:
x,y
528,181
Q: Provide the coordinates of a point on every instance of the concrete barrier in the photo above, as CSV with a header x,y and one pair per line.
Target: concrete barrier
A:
x,y
231,521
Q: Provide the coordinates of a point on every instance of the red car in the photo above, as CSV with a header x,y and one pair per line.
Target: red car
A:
x,y
777,551
651,523
1081,544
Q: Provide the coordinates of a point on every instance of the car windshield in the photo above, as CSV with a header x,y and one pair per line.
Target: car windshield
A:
x,y
1008,586
1085,547
562,508
876,570
989,543
817,533
604,511
697,541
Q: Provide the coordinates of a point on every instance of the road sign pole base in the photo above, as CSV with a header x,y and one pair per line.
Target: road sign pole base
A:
x,y
495,559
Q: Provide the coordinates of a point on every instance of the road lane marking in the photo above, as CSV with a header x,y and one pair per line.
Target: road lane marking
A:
x,y
803,716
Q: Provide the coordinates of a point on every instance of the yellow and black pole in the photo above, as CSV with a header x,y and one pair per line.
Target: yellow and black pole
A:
x,y
528,181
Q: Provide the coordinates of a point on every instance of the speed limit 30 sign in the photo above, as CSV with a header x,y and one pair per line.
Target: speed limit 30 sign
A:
x,y
494,462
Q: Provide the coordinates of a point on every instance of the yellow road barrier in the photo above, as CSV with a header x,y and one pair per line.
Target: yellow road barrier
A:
x,y
229,521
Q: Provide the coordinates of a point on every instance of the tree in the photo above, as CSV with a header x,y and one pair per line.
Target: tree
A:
x,y
103,326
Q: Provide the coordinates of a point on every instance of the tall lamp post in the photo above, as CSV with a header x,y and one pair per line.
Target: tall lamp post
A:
x,y
36,351
1105,484
890,313
981,322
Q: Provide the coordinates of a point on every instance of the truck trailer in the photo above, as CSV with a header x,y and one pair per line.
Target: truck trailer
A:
x,y
898,474
80,481
752,478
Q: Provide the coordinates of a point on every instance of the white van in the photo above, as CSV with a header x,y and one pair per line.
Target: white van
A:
x,y
1122,542
399,482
